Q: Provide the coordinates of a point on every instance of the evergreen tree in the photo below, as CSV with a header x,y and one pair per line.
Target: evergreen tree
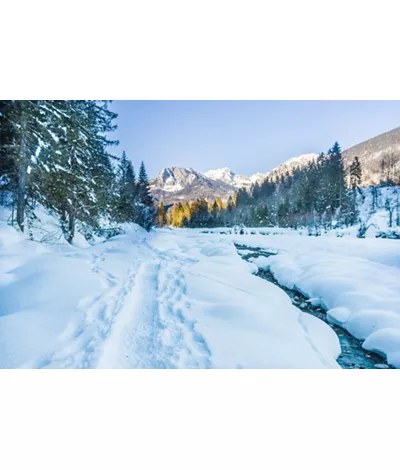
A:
x,y
8,168
230,204
28,125
80,165
144,187
145,199
199,213
127,199
187,214
336,176
220,204
161,215
56,153
177,218
214,214
355,173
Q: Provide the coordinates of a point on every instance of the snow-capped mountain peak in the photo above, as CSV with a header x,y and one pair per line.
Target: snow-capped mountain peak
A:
x,y
182,184
226,175
221,174
291,164
175,179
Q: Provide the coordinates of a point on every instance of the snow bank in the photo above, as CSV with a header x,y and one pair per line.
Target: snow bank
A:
x,y
8,235
244,321
164,299
385,341
50,291
356,280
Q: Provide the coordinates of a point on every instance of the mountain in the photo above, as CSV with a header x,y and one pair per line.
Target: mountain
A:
x,y
186,184
371,152
384,146
289,165
238,181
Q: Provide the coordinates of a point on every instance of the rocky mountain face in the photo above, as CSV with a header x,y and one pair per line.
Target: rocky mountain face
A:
x,y
186,184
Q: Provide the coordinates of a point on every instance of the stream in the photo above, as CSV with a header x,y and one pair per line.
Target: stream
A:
x,y
353,356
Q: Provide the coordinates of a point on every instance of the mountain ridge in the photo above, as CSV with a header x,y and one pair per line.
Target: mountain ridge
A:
x,y
174,184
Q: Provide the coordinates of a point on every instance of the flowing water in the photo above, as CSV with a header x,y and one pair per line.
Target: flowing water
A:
x,y
353,356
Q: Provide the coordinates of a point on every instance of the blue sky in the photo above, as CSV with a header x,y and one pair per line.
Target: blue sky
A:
x,y
246,136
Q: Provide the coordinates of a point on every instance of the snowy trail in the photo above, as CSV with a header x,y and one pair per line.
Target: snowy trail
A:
x,y
169,299
138,322
151,330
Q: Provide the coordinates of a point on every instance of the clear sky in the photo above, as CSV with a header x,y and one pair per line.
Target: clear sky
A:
x,y
246,136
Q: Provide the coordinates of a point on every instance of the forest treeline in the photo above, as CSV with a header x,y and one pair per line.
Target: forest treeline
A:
x,y
320,194
56,153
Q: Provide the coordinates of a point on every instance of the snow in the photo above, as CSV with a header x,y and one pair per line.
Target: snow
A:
x,y
221,174
184,298
292,163
175,179
165,299
226,175
355,280
385,341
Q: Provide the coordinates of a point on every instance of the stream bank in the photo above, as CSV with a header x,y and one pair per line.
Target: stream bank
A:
x,y
353,356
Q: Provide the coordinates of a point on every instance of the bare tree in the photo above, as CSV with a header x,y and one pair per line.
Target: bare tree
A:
x,y
390,206
388,164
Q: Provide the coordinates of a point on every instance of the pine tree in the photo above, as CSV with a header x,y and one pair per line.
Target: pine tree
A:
x,y
242,198
80,163
230,204
144,187
30,125
161,215
59,150
220,204
8,169
145,199
199,213
214,214
177,217
127,199
355,173
187,215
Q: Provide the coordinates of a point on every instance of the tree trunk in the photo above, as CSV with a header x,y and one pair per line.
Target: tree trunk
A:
x,y
22,172
71,223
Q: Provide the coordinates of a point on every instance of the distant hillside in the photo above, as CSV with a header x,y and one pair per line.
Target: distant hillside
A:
x,y
186,184
371,153
289,165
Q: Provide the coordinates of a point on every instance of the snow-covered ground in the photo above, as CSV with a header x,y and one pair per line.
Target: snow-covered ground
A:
x,y
168,299
356,280
185,299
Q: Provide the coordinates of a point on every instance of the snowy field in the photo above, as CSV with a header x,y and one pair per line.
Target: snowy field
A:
x,y
185,299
